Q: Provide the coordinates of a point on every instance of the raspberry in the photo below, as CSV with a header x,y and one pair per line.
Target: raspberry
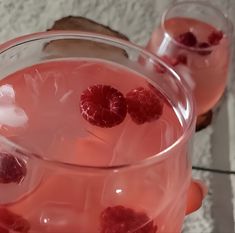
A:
x,y
182,59
144,105
204,45
170,61
119,219
103,106
157,92
160,69
215,37
187,39
12,169
13,222
3,230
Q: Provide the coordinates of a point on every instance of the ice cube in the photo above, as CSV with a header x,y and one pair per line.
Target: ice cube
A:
x,y
64,202
64,217
81,151
13,116
138,142
59,217
7,94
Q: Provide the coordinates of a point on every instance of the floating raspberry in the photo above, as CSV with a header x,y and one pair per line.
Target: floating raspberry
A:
x,y
144,105
156,92
159,94
13,222
187,39
206,46
215,37
103,106
12,169
119,219
3,230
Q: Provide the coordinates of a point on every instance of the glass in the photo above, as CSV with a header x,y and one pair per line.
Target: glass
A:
x,y
194,37
63,170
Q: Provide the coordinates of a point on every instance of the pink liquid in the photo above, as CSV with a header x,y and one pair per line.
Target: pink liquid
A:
x,y
46,120
206,75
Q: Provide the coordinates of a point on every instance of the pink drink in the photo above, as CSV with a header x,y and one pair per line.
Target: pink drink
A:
x,y
204,65
84,187
49,95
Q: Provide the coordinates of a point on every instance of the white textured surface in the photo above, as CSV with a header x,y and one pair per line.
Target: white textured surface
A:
x,y
202,221
136,19
231,107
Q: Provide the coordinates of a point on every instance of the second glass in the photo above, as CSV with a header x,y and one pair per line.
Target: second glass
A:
x,y
194,37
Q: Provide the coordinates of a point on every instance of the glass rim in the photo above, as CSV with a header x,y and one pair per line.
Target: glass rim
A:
x,y
162,155
229,25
